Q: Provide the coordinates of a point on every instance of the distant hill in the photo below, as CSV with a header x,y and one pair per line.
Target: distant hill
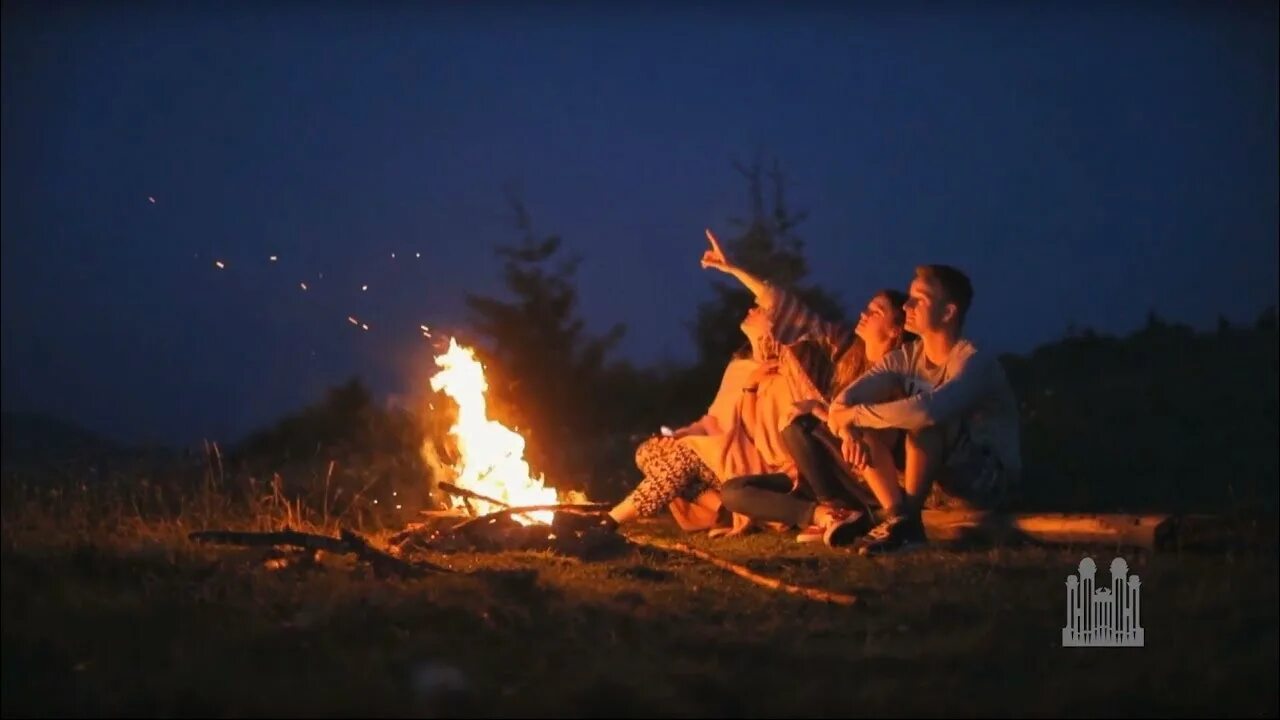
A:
x,y
32,436
1164,419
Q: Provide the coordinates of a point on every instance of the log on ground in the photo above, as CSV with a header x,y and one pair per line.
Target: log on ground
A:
x,y
1147,531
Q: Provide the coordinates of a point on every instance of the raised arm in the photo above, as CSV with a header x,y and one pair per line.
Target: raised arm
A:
x,y
716,259
790,317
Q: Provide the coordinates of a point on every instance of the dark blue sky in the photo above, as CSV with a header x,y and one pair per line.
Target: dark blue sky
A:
x,y
1083,164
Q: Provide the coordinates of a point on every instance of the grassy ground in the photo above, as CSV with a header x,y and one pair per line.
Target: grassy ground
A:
x,y
132,619
108,610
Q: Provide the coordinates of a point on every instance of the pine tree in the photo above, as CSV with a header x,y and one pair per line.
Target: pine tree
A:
x,y
544,369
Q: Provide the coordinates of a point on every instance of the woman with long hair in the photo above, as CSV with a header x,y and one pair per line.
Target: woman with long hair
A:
x,y
819,358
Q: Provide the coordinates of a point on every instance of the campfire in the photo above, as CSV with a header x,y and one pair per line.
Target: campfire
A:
x,y
491,463
490,487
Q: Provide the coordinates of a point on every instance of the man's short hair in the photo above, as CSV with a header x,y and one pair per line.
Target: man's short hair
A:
x,y
955,285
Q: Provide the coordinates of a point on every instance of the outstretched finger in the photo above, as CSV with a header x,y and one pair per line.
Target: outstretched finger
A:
x,y
715,244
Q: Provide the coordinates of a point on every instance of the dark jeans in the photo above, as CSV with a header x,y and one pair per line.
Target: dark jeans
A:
x,y
817,454
768,498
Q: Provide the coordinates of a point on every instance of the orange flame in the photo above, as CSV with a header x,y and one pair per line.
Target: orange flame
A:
x,y
491,455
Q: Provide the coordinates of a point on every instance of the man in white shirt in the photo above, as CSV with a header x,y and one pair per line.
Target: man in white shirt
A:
x,y
959,413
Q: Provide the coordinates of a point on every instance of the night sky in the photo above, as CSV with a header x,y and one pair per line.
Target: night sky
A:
x,y
1084,165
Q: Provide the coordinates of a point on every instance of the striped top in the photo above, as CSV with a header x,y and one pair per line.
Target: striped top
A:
x,y
818,357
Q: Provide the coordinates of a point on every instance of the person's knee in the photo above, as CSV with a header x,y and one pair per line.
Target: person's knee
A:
x,y
645,451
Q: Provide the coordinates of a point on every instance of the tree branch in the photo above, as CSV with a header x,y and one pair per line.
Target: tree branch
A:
x,y
744,572
348,543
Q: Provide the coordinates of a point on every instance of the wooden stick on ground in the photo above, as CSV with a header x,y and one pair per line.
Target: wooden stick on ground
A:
x,y
348,543
397,541
744,572
383,562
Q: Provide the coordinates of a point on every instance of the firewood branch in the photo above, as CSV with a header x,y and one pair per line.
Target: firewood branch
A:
x,y
506,509
574,508
347,543
746,573
466,494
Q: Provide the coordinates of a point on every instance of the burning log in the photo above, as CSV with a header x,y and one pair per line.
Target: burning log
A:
x,y
570,508
499,531
745,572
506,509
347,542
464,493
491,462
432,532
490,473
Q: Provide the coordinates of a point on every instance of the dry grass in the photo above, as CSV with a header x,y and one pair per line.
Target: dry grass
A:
x,y
108,610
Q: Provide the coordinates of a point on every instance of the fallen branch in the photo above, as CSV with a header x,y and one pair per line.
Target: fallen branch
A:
x,y
410,531
383,562
347,543
744,572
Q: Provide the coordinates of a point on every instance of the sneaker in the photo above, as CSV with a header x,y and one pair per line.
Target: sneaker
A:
x,y
818,533
899,532
847,529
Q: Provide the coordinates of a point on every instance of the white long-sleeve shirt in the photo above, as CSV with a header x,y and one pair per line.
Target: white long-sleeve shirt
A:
x,y
970,389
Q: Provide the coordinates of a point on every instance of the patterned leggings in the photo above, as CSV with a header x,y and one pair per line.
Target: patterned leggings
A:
x,y
670,470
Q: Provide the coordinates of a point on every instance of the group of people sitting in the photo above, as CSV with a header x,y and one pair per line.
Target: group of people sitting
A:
x,y
843,433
